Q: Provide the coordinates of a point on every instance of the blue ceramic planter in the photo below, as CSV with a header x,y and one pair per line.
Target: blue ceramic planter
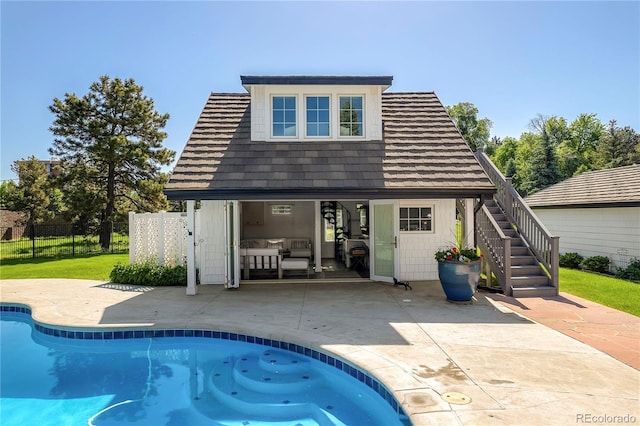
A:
x,y
459,280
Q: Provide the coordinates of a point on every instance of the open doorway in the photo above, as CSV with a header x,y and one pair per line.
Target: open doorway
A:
x,y
278,239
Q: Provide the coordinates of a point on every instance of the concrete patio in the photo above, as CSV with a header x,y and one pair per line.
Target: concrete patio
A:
x,y
512,369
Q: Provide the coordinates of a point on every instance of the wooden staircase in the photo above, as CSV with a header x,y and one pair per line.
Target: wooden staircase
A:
x,y
528,278
519,251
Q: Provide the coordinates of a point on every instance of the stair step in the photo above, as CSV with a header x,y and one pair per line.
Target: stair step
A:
x,y
279,398
527,259
526,270
517,242
274,373
529,281
519,250
541,291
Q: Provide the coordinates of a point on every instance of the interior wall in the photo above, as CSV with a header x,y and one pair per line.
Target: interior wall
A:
x,y
258,222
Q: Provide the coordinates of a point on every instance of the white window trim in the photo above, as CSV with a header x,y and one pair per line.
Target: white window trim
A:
x,y
331,119
298,114
433,221
364,115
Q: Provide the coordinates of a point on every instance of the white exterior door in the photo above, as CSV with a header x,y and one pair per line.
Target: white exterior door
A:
x,y
383,240
232,236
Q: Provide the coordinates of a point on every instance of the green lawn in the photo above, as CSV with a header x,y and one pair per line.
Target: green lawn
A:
x,y
612,292
91,267
608,291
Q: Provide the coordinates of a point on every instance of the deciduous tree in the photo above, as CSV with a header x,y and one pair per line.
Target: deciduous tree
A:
x,y
475,131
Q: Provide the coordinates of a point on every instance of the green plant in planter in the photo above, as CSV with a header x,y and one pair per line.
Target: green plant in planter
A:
x,y
459,272
456,254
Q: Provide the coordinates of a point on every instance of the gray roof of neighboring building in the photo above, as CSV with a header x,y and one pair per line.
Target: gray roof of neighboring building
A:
x,y
421,155
600,188
317,79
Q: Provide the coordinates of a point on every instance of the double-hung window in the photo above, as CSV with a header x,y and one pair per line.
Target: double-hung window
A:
x,y
317,116
284,116
351,116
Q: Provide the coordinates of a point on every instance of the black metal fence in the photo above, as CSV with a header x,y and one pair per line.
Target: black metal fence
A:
x,y
20,242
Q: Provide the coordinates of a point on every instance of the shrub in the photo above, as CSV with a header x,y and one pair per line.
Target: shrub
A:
x,y
631,272
150,274
596,264
571,260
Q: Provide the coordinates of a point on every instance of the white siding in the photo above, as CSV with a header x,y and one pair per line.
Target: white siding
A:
x,y
416,249
611,232
210,242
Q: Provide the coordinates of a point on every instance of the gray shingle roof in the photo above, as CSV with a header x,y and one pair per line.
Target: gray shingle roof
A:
x,y
619,186
422,154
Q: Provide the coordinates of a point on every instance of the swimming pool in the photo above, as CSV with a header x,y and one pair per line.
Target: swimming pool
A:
x,y
177,377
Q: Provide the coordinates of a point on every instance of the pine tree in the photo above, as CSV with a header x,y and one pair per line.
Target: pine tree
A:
x,y
110,145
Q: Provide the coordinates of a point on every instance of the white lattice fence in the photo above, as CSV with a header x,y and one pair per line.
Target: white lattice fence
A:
x,y
160,237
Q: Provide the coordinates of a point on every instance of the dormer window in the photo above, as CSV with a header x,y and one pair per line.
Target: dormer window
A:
x,y
318,123
283,112
351,116
316,109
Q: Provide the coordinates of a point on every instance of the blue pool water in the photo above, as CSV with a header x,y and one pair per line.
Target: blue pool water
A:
x,y
116,378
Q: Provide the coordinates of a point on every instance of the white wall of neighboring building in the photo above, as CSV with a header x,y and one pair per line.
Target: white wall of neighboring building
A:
x,y
416,250
261,110
612,232
210,242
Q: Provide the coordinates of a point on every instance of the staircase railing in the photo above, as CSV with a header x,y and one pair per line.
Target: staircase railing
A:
x,y
544,246
329,212
492,241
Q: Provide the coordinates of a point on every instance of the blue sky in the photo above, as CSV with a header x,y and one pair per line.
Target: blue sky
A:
x,y
513,60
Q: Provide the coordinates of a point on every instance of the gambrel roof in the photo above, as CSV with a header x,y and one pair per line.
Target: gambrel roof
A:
x,y
600,188
422,155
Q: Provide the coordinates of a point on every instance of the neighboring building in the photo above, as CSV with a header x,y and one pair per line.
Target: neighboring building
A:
x,y
52,166
595,213
327,160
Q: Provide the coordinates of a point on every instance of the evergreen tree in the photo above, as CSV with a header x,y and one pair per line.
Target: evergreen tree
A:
x,y
543,162
110,145
617,147
31,195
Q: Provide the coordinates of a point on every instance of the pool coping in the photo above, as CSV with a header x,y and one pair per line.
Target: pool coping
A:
x,y
421,348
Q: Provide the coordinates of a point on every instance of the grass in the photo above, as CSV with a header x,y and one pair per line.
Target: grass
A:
x,y
612,292
58,245
88,267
